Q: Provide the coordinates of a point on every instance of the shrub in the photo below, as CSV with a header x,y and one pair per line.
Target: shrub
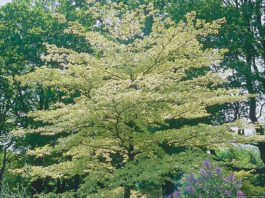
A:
x,y
211,184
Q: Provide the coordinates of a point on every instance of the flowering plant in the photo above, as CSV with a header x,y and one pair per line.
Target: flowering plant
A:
x,y
211,184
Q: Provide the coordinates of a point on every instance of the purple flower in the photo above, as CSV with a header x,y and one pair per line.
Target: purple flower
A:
x,y
169,196
240,194
239,183
218,171
207,164
231,177
203,172
200,180
176,194
228,193
212,182
190,179
190,189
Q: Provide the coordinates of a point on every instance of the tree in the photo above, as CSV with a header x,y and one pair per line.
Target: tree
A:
x,y
24,27
243,36
129,86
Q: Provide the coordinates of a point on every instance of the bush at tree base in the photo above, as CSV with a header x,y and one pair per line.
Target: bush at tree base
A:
x,y
211,184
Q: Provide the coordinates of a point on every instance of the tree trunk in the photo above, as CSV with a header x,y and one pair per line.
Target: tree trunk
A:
x,y
2,170
58,186
127,192
168,188
261,146
131,156
252,108
76,182
46,185
63,186
37,186
41,102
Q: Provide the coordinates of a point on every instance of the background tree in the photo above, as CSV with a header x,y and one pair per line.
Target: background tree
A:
x,y
24,28
243,36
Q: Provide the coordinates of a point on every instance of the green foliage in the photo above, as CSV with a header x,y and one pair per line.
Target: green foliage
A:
x,y
19,192
25,25
252,190
121,103
240,157
61,195
212,183
243,36
139,81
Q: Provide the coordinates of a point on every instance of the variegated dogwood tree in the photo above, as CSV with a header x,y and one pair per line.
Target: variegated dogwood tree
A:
x,y
127,89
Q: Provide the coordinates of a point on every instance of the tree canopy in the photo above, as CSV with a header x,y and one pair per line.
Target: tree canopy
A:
x,y
119,99
129,86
